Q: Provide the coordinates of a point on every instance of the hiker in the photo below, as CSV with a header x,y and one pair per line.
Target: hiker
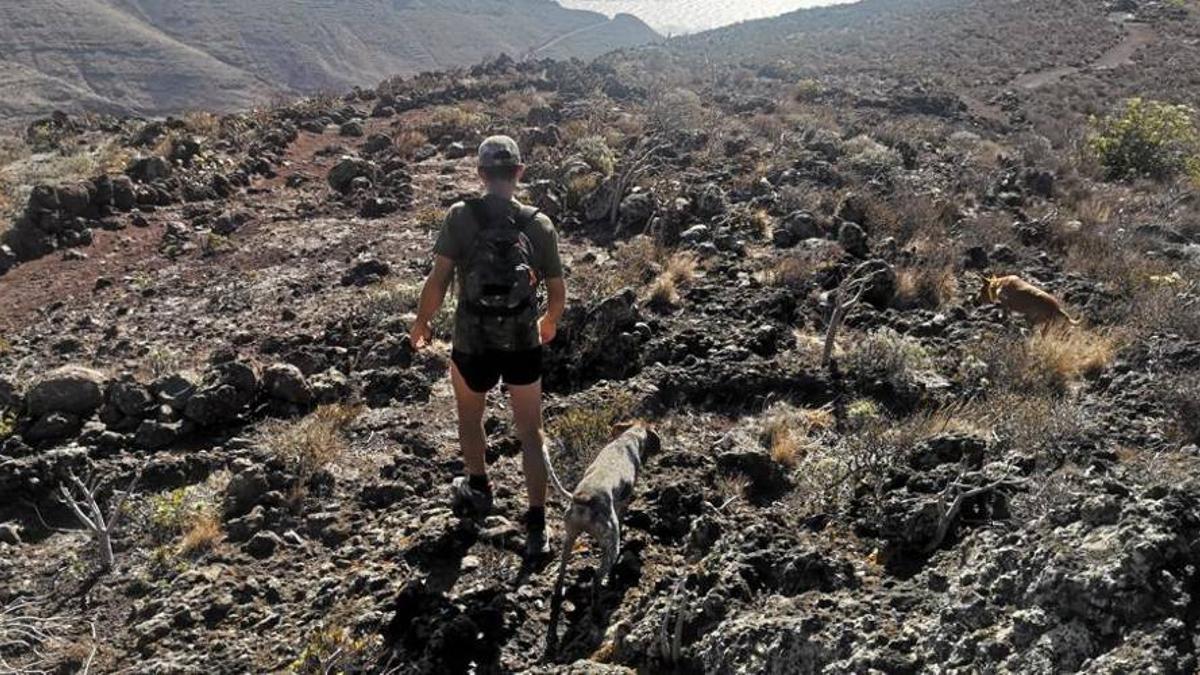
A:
x,y
501,252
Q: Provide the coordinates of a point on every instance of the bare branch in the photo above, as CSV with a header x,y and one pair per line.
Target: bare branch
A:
x,y
82,502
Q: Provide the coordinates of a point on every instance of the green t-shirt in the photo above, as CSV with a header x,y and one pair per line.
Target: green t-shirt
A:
x,y
474,333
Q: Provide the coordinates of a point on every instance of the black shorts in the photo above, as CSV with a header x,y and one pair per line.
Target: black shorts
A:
x,y
483,371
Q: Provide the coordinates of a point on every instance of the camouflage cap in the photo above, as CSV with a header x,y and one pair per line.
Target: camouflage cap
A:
x,y
499,151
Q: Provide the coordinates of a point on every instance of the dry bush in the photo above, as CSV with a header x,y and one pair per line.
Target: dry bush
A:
x,y
1094,210
871,160
337,648
885,352
634,264
202,535
190,514
1047,365
313,443
629,125
914,218
675,109
580,187
796,270
749,176
517,104
596,152
1164,304
428,218
453,121
406,143
584,430
393,300
926,287
664,293
789,432
1182,402
202,123
679,272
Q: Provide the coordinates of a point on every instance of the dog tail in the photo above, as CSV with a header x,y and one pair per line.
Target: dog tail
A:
x,y
552,473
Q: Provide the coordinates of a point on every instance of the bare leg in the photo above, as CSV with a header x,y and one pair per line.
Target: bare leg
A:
x,y
471,437
527,416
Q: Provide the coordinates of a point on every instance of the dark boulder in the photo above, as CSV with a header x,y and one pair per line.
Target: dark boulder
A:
x,y
70,389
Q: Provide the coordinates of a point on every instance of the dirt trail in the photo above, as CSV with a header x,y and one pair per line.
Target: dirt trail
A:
x,y
1137,35
566,36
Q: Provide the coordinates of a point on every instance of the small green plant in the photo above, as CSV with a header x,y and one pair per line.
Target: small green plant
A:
x,y
595,151
1147,138
862,412
8,424
216,244
585,429
808,89
185,520
889,353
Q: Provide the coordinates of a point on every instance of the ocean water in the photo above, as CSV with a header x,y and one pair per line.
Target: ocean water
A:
x,y
676,17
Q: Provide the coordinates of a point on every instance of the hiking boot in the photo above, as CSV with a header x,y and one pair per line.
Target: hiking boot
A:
x,y
467,502
537,546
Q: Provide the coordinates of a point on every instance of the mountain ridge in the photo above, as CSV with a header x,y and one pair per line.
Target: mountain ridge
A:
x,y
149,57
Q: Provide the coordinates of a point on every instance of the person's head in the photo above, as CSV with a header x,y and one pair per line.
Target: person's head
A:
x,y
500,164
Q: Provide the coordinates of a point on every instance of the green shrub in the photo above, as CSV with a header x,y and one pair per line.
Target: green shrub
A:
x,y
595,151
1147,138
8,424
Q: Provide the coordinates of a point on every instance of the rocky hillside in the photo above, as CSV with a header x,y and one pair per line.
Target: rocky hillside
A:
x,y
205,322
158,57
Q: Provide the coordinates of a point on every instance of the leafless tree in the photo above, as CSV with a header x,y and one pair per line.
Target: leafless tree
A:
x,y
626,175
80,497
845,297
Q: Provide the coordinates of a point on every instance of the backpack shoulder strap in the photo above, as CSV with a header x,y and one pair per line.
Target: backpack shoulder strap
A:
x,y
479,212
527,215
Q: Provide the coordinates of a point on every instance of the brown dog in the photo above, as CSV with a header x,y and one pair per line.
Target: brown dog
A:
x,y
598,502
1014,294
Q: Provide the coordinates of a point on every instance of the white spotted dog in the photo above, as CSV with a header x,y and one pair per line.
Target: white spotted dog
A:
x,y
599,501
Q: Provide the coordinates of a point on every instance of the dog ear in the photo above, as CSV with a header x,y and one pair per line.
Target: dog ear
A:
x,y
620,428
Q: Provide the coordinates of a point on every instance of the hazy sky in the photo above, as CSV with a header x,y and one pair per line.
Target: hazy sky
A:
x,y
689,16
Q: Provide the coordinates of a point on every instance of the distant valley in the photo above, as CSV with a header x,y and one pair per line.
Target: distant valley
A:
x,y
166,56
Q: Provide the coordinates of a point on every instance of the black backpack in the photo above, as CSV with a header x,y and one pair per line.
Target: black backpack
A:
x,y
499,276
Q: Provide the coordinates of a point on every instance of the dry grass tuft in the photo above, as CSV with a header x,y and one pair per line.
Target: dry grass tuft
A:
x,y
408,142
1063,356
926,287
202,535
583,430
789,432
202,123
634,264
679,272
315,442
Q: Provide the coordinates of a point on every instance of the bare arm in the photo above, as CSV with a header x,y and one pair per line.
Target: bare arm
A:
x,y
432,296
556,304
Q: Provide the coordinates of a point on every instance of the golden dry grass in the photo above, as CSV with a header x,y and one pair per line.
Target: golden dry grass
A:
x,y
202,123
679,272
202,535
788,432
1068,354
1048,365
408,142
314,442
